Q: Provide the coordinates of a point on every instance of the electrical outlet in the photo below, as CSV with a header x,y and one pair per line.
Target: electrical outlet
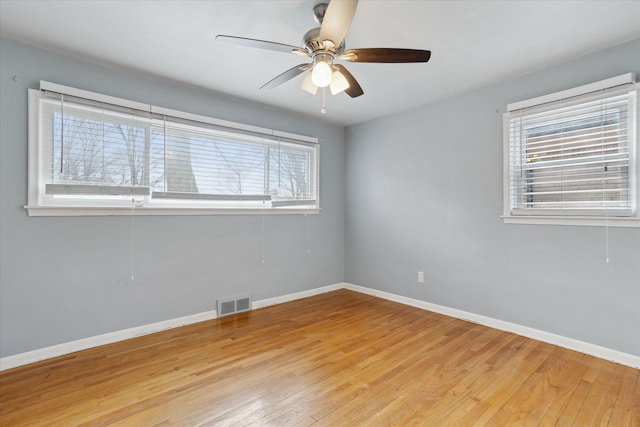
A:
x,y
420,277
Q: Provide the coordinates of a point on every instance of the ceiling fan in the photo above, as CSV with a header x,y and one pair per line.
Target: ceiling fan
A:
x,y
326,44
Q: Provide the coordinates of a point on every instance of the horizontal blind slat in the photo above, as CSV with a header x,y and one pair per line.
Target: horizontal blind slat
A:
x,y
574,153
98,148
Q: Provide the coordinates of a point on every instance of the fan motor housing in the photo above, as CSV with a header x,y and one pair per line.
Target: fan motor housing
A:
x,y
311,41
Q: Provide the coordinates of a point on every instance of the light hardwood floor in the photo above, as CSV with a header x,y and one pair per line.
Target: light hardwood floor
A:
x,y
336,359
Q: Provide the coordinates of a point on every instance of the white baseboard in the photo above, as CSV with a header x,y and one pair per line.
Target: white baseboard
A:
x,y
525,331
298,295
111,337
98,340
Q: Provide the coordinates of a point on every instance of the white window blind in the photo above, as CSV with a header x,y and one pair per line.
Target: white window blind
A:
x,y
94,153
574,156
191,160
92,150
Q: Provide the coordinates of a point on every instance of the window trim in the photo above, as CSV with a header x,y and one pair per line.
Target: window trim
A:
x,y
36,188
578,220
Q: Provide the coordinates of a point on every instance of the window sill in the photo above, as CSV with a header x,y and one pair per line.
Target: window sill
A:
x,y
573,220
159,211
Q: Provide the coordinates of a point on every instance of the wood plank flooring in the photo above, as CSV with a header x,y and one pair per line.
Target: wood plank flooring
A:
x,y
336,359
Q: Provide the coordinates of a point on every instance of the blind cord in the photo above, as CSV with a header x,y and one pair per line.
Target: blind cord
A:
x,y
308,234
103,147
263,204
133,229
603,115
62,136
606,233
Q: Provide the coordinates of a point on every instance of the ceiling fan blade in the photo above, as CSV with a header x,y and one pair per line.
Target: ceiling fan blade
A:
x,y
261,44
337,20
286,76
386,55
354,90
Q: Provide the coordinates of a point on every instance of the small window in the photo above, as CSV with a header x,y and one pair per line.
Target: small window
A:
x,y
94,154
573,155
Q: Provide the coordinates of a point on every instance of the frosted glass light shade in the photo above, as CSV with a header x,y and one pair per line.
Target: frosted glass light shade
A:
x,y
338,83
321,74
307,84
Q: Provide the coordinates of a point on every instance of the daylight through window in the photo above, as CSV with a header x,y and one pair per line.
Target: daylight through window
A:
x,y
92,153
573,157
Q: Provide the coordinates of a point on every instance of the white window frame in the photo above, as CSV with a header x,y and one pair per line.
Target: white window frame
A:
x,y
41,204
565,218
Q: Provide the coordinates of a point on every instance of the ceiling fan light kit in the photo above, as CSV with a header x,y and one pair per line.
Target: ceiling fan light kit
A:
x,y
326,44
322,70
339,83
307,85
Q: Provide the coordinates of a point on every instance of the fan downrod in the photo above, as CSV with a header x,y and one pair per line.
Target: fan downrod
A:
x,y
319,10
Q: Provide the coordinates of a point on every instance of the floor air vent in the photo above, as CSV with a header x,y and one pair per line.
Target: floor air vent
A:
x,y
233,305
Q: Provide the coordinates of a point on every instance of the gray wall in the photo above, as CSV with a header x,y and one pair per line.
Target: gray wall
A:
x,y
64,278
424,193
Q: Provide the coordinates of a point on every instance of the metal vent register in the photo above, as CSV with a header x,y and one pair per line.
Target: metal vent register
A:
x,y
233,305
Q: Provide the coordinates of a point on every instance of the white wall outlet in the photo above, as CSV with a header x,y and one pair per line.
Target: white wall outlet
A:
x,y
420,277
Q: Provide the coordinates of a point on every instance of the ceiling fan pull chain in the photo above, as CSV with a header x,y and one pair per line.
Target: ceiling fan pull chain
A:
x,y
323,110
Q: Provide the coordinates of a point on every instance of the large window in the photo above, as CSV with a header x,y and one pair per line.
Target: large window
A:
x,y
573,154
93,154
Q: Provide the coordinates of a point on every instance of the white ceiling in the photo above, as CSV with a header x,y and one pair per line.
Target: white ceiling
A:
x,y
473,43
